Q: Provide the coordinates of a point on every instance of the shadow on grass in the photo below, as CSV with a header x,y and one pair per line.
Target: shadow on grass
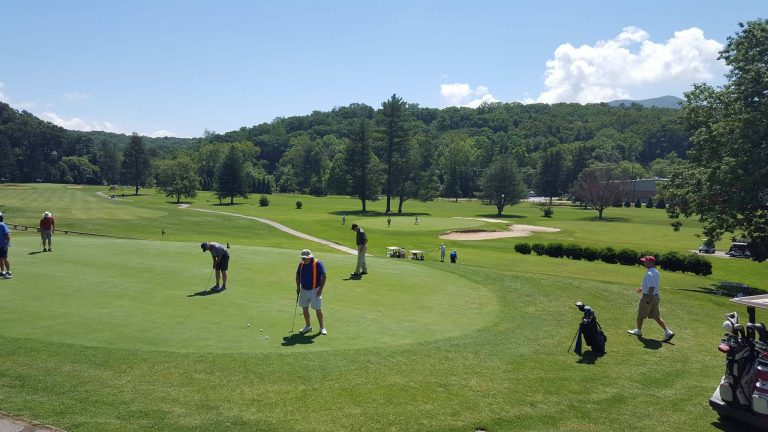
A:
x,y
299,339
180,202
35,253
651,344
605,219
589,357
360,213
352,277
726,424
229,204
205,292
718,290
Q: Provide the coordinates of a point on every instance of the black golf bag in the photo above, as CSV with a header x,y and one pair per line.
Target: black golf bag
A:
x,y
745,383
591,331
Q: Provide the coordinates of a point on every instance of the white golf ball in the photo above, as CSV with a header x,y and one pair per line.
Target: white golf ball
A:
x,y
261,330
266,337
249,324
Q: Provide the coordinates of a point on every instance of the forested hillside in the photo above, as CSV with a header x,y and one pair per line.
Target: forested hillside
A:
x,y
399,150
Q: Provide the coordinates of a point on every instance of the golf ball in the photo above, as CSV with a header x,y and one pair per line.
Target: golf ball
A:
x,y
249,325
266,337
261,330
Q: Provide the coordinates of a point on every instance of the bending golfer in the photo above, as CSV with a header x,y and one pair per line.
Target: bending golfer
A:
x,y
310,280
5,243
47,226
220,263
362,247
649,302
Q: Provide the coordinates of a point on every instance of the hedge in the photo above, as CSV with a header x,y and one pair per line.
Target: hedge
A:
x,y
670,261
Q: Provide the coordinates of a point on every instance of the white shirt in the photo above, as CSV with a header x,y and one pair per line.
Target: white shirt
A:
x,y
651,280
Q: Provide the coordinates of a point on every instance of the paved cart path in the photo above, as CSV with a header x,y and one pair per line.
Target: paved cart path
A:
x,y
9,423
281,227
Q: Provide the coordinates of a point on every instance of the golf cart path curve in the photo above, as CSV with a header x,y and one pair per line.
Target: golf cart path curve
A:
x,y
281,227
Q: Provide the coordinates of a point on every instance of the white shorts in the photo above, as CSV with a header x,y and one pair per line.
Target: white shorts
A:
x,y
309,297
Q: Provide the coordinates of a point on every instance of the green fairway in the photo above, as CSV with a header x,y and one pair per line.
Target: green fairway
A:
x,y
111,334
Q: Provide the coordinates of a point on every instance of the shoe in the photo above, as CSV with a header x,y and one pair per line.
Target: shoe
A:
x,y
668,335
355,274
2,273
323,331
635,332
215,288
8,275
45,250
223,287
364,272
50,250
305,330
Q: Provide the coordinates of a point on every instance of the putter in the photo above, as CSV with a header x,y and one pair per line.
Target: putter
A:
x,y
209,281
294,312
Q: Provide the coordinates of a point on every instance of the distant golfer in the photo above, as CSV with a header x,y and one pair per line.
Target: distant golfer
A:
x,y
454,256
442,252
47,226
362,247
649,302
5,244
389,222
220,263
343,218
310,280
416,222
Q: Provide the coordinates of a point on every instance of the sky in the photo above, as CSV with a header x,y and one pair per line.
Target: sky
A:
x,y
179,67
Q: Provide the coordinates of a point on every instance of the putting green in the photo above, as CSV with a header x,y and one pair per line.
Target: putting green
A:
x,y
408,223
138,295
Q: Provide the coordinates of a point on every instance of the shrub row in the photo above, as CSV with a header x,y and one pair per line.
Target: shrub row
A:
x,y
670,261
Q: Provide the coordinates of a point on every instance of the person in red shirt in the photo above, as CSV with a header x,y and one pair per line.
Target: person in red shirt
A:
x,y
46,230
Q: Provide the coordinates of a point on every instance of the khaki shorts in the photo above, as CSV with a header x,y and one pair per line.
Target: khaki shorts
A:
x,y
309,297
648,307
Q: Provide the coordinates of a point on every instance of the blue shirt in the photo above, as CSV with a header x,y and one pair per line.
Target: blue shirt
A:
x,y
4,235
306,275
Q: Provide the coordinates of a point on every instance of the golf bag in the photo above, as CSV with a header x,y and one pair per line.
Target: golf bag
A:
x,y
745,383
590,330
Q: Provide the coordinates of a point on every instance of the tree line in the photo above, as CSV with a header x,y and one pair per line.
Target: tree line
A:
x,y
398,152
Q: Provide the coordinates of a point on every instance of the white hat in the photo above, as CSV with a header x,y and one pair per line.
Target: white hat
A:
x,y
47,214
306,253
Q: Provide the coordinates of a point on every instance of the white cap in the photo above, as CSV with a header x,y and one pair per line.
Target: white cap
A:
x,y
306,253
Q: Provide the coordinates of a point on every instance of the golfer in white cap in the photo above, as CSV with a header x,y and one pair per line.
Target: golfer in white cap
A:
x,y
310,280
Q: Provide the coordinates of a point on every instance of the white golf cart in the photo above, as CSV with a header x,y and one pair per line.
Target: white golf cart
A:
x,y
745,396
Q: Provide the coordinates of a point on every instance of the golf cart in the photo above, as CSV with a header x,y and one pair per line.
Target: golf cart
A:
x,y
739,250
395,252
707,247
743,390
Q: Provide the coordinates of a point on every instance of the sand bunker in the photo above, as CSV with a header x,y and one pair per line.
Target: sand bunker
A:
x,y
513,231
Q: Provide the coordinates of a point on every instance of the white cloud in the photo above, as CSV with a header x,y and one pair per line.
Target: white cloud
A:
x,y
163,133
75,123
75,96
461,94
610,70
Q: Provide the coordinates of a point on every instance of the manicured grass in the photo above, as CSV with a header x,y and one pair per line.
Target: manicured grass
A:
x,y
102,334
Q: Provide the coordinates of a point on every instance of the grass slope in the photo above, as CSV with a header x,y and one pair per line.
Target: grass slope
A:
x,y
101,334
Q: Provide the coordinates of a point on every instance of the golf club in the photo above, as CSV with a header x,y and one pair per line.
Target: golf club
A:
x,y
209,281
294,312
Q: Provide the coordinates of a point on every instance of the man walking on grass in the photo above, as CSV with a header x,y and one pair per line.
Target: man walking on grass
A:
x,y
649,302
220,257
310,281
5,243
362,247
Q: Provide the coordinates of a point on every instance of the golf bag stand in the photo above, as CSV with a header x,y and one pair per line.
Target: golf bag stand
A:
x,y
590,330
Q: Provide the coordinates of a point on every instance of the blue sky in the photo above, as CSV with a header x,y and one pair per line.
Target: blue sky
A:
x,y
179,67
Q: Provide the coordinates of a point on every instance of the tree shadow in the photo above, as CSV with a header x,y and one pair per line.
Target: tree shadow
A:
x,y
229,204
360,213
605,219
299,339
180,202
589,357
205,292
719,290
